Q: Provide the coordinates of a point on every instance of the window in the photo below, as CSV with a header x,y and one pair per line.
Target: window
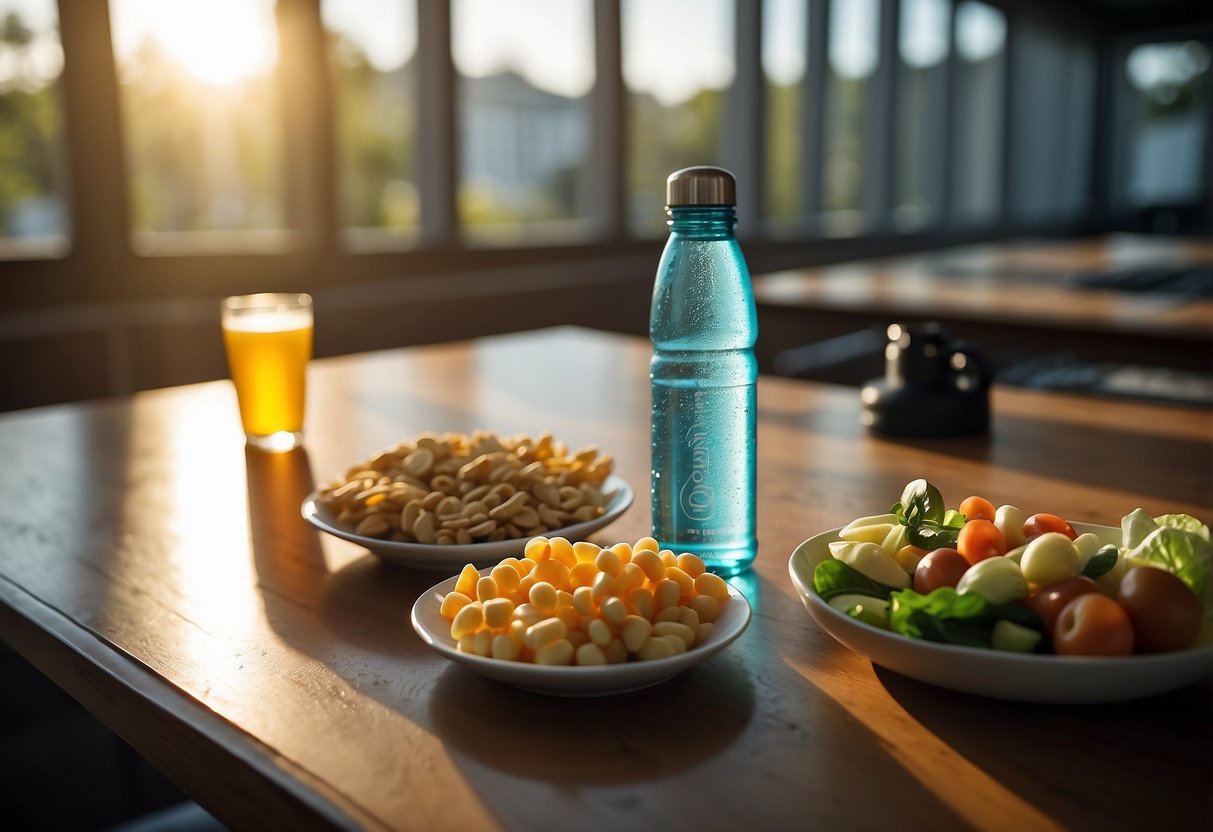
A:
x,y
921,114
853,59
677,63
1166,133
200,114
372,49
784,63
978,125
32,172
526,69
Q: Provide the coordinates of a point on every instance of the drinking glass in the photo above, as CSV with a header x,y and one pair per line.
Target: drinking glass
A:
x,y
268,337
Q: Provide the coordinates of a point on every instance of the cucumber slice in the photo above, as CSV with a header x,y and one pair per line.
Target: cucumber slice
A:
x,y
869,610
1008,635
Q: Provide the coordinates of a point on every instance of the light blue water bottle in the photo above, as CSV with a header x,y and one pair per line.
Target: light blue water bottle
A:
x,y
703,375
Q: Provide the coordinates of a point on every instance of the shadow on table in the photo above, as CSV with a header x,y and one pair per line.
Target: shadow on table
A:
x,y
611,739
1120,737
1045,448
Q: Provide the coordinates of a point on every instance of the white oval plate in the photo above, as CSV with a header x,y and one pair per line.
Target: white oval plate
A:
x,y
448,558
576,681
997,673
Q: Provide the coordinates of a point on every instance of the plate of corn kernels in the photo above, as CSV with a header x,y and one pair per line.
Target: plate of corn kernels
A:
x,y
441,501
578,619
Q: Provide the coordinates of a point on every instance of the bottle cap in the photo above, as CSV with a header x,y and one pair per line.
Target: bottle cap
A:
x,y
701,185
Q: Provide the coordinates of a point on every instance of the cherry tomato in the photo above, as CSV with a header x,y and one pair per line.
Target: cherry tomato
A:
x,y
1038,524
977,508
1093,625
1048,601
941,567
980,539
1166,614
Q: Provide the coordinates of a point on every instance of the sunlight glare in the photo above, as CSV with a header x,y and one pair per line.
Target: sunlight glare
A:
x,y
219,42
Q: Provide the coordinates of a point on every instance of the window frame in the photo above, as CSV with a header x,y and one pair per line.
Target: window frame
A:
x,y
103,263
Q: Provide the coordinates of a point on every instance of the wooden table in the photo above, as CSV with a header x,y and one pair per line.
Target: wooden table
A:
x,y
161,574
1015,300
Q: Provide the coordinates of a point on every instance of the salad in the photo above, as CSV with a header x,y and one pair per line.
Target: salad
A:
x,y
981,576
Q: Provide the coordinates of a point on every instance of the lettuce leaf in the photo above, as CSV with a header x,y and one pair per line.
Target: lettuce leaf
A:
x,y
1184,522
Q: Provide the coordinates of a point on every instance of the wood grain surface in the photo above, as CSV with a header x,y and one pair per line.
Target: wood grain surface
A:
x,y
161,573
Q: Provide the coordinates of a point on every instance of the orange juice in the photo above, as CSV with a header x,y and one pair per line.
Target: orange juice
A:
x,y
267,351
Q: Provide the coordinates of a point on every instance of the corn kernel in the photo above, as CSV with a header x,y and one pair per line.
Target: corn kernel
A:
x,y
655,648
486,589
615,652
649,563
482,643
546,631
466,582
559,652
713,585
608,562
599,632
506,577
686,584
623,551
675,628
706,607
590,654
553,572
688,616
537,549
453,603
647,544
613,609
585,552
666,594
467,621
505,648
543,597
634,632
497,612
582,574
562,551
691,564
583,600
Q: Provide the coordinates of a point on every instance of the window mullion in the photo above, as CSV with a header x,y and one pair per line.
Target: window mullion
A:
x,y
880,118
437,137
308,117
608,136
97,197
746,109
813,113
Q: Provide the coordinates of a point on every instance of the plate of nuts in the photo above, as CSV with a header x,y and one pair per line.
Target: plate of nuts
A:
x,y
440,501
578,619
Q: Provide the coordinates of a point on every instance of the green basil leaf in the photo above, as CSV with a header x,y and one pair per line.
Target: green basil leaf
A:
x,y
833,577
949,617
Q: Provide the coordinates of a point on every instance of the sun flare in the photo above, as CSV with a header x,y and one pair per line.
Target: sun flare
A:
x,y
221,42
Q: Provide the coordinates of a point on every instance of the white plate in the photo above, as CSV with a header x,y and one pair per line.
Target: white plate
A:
x,y
576,681
997,673
452,557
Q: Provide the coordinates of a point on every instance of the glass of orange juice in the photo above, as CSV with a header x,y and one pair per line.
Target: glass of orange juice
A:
x,y
269,343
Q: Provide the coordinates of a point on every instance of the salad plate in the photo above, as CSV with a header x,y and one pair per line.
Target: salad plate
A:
x,y
452,557
573,681
1001,674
